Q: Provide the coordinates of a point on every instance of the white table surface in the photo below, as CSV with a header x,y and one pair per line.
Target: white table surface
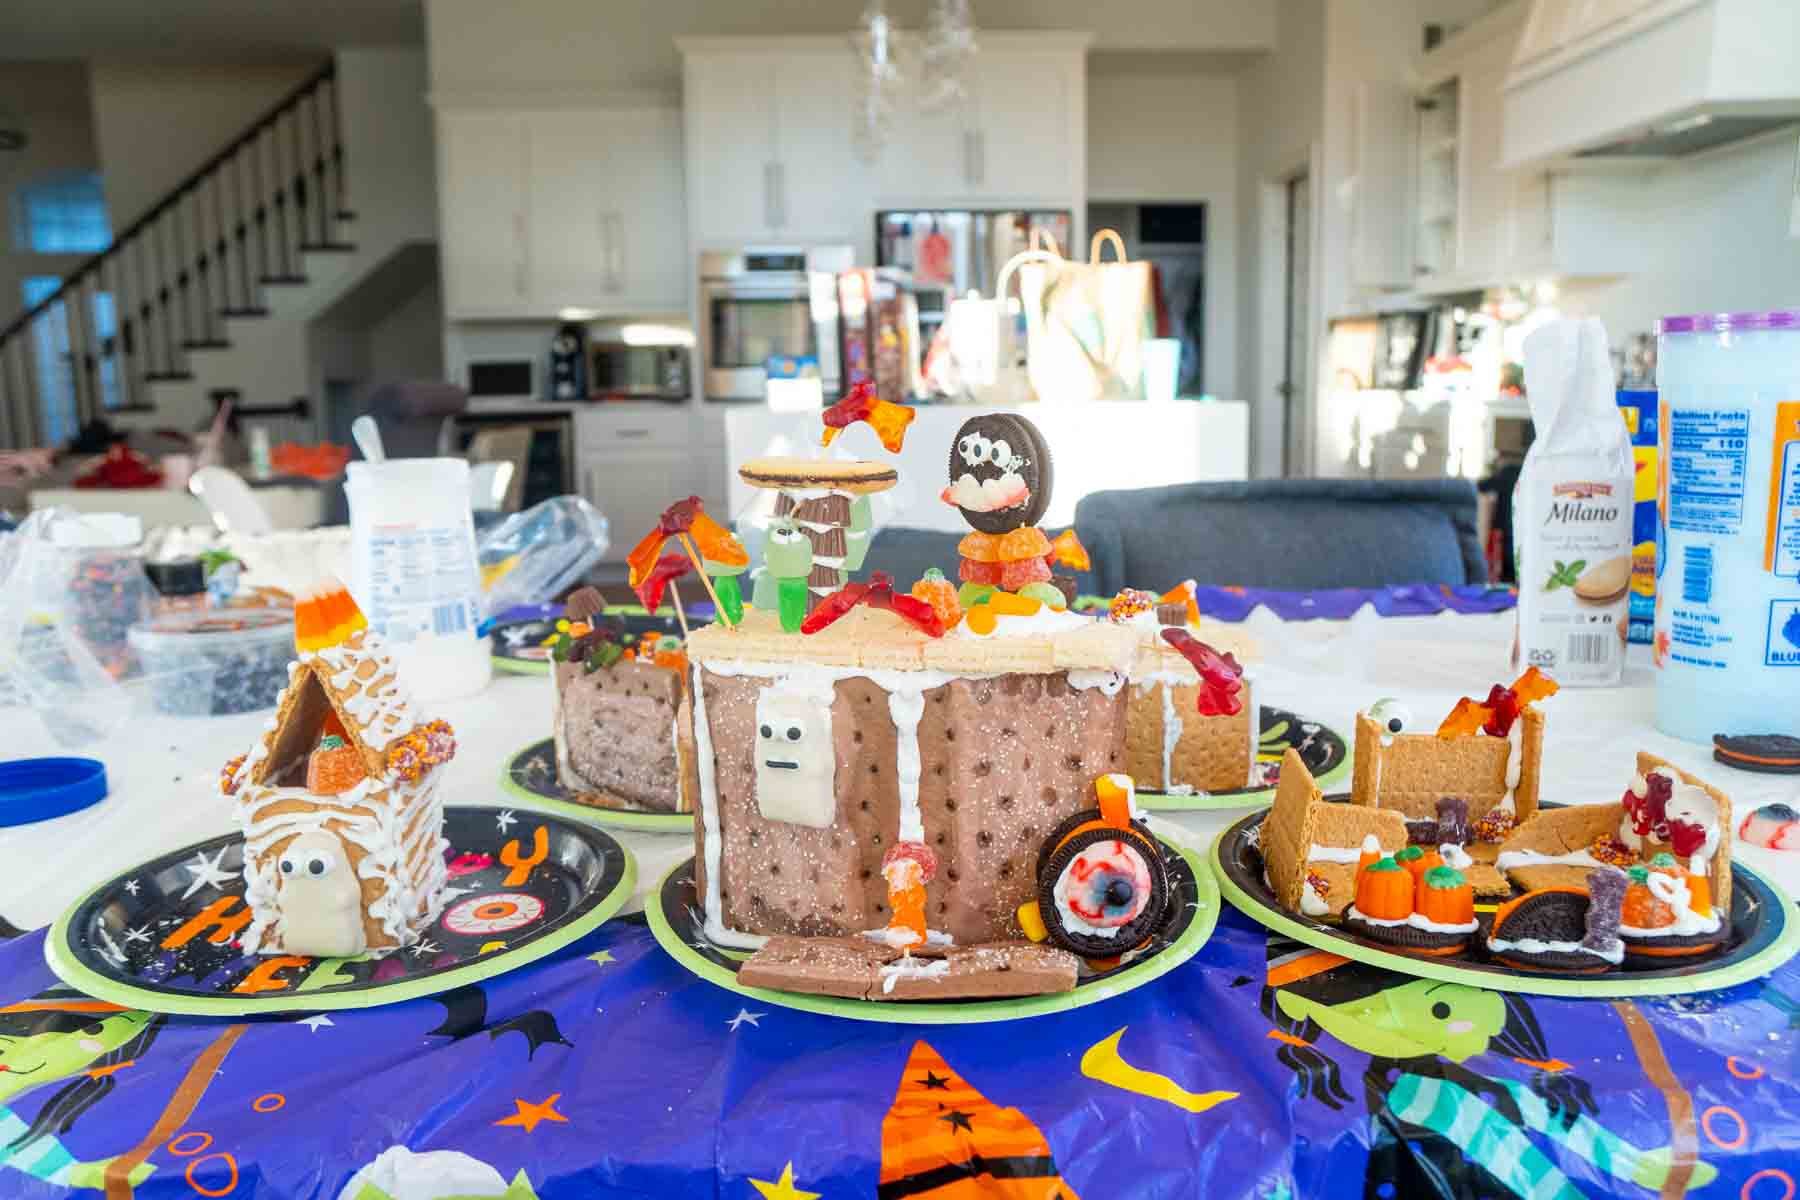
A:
x,y
163,771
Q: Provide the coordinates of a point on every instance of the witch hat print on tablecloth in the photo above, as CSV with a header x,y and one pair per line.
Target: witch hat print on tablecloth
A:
x,y
943,1140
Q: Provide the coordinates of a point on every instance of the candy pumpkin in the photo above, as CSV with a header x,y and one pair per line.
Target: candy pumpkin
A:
x,y
1445,897
1642,910
1384,891
334,767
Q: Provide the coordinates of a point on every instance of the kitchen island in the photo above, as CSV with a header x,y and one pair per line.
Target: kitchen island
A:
x,y
1096,447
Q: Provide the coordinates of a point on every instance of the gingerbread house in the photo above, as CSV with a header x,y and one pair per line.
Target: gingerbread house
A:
x,y
338,800
815,755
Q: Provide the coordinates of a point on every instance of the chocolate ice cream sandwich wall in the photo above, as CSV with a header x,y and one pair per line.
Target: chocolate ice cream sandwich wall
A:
x,y
338,800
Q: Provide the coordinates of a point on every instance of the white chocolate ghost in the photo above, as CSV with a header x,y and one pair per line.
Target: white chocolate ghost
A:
x,y
319,898
795,762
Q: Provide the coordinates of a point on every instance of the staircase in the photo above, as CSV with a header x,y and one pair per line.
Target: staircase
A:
x,y
193,285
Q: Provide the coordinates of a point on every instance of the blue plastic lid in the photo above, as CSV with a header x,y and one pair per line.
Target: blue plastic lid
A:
x,y
41,789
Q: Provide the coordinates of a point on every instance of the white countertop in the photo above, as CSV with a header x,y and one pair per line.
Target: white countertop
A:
x,y
1096,447
163,773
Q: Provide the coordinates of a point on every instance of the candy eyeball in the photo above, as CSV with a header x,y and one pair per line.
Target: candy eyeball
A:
x,y
319,865
1000,454
1393,716
793,733
975,450
786,535
287,865
766,732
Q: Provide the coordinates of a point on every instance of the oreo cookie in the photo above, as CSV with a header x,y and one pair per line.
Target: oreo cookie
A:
x,y
1409,939
1544,931
1657,951
1000,473
1764,753
1118,873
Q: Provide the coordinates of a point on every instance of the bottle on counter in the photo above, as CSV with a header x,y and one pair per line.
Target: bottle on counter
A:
x,y
180,585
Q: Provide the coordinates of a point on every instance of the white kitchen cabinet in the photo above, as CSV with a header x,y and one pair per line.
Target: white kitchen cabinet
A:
x,y
1380,186
632,490
483,166
561,208
768,141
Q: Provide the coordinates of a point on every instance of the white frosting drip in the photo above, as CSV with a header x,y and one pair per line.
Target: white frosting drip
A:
x,y
1107,683
1455,857
899,939
1171,733
1045,620
1313,904
1335,854
709,825
1615,953
1415,921
912,968
1514,764
1509,859
907,707
1674,892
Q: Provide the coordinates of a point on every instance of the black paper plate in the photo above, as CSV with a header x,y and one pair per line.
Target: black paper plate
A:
x,y
678,922
517,645
1764,934
146,938
530,777
1322,749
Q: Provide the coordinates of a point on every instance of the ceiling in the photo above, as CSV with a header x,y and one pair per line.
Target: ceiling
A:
x,y
201,30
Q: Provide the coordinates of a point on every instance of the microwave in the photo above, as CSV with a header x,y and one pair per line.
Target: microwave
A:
x,y
766,302
621,370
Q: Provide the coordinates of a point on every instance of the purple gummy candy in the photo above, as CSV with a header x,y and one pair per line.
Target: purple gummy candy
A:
x,y
1453,821
1606,904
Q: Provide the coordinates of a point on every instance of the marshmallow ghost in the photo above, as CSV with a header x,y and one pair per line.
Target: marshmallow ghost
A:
x,y
795,762
319,898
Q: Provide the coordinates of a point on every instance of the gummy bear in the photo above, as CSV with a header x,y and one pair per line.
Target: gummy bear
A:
x,y
1464,719
1221,679
887,419
1504,704
668,568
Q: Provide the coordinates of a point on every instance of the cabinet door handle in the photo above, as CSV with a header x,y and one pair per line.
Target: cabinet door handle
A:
x,y
769,195
968,149
520,265
980,138
780,194
618,244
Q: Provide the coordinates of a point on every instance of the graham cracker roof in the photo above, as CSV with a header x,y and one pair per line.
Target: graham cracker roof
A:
x,y
878,639
359,681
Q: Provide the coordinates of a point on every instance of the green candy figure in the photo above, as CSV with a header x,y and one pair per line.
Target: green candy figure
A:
x,y
788,560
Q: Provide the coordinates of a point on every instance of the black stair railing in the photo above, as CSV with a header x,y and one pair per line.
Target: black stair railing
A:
x,y
128,316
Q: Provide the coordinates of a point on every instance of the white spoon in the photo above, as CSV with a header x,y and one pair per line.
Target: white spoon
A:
x,y
368,439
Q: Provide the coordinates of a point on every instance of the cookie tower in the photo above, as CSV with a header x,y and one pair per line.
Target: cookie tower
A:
x,y
1000,480
821,529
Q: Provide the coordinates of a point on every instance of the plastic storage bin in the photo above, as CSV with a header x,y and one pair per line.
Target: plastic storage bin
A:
x,y
245,652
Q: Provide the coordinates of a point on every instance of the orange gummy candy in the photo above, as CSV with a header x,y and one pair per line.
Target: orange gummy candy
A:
x,y
980,547
334,768
1067,551
1465,720
1533,686
940,593
1027,541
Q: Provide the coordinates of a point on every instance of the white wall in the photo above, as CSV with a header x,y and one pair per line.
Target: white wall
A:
x,y
408,343
49,101
1162,133
478,45
156,122
1281,116
389,144
1706,236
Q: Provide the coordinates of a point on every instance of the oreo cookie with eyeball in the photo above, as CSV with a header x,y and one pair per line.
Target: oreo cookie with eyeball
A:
x,y
1103,891
1000,473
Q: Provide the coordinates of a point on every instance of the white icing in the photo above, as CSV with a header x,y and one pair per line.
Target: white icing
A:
x,y
1181,789
1455,857
1107,683
1415,921
1614,953
1045,620
1509,859
1336,854
1674,892
907,707
1171,733
912,968
1313,904
1514,763
709,824
899,939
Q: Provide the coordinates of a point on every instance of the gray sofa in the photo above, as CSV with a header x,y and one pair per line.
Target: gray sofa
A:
x,y
1290,534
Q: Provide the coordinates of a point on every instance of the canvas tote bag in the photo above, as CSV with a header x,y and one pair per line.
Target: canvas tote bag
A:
x,y
1093,320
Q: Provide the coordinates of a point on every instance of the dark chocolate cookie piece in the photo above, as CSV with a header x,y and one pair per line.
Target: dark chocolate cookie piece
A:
x,y
1766,753
993,446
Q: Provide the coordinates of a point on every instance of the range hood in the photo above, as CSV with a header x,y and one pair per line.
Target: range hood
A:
x,y
1648,79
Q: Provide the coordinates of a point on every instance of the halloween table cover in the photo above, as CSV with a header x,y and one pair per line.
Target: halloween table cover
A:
x,y
1259,1069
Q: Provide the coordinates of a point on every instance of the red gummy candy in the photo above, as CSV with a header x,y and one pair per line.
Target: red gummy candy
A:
x,y
971,571
1015,575
679,517
1503,710
668,568
887,419
919,852
1221,678
1649,813
834,606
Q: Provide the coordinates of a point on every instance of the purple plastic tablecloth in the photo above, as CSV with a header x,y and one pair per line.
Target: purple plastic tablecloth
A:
x,y
1258,1069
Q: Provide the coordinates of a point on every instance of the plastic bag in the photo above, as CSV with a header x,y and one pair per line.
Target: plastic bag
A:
x,y
65,608
532,556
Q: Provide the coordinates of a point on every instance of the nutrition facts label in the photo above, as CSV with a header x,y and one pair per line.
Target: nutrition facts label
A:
x,y
1708,449
419,581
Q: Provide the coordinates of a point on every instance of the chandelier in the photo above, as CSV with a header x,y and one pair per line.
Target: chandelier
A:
x,y
945,66
947,55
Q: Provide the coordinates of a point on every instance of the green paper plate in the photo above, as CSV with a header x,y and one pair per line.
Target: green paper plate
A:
x,y
1326,753
674,904
530,778
1766,933
124,942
